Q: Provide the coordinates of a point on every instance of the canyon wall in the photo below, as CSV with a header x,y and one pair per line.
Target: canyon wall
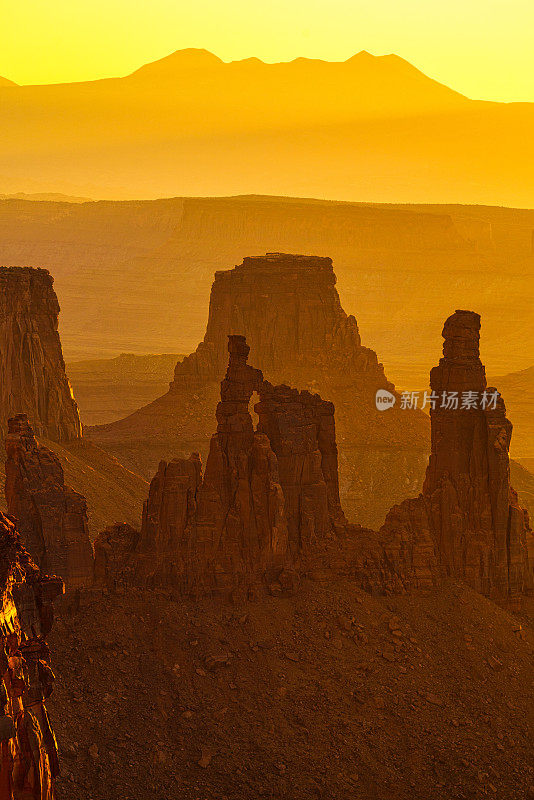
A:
x,y
51,517
32,370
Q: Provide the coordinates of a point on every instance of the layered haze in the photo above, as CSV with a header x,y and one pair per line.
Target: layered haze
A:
x,y
371,127
135,276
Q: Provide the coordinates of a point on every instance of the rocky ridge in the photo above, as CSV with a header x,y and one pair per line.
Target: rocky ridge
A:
x,y
30,760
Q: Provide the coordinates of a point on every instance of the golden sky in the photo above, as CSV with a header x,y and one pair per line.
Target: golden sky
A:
x,y
482,48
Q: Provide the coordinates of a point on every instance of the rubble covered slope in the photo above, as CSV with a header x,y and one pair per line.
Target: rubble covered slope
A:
x,y
329,693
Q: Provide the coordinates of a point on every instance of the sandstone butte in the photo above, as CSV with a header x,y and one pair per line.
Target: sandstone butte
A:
x,y
32,370
51,517
29,750
288,308
267,510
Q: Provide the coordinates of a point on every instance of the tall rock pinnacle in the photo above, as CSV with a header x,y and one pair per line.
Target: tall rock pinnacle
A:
x,y
268,502
32,370
467,523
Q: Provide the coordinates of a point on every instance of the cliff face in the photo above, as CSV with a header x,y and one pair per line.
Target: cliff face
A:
x,y
32,370
467,523
289,309
51,517
300,429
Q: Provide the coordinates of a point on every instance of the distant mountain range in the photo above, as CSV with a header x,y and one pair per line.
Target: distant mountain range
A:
x,y
372,127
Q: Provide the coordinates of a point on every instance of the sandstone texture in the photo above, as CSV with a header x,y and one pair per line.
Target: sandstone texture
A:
x,y
288,308
114,548
51,517
30,762
467,523
32,370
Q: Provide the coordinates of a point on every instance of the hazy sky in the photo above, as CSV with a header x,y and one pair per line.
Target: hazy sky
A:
x,y
483,48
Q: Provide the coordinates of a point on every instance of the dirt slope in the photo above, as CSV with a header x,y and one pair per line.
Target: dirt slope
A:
x,y
329,694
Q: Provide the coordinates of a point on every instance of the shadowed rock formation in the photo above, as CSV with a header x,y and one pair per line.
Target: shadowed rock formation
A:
x,y
225,531
289,310
268,503
268,511
32,370
291,313
300,429
51,517
467,523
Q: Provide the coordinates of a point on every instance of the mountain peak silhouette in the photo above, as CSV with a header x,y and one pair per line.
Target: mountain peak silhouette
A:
x,y
191,58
